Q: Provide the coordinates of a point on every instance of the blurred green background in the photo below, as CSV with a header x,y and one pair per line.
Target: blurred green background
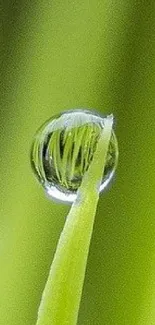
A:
x,y
59,55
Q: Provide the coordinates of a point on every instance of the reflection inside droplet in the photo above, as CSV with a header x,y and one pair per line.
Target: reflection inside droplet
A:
x,y
63,149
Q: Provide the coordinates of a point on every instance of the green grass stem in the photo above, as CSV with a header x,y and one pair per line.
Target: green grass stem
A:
x,y
62,294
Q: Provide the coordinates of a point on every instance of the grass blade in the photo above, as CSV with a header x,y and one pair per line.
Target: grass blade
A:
x,y
63,290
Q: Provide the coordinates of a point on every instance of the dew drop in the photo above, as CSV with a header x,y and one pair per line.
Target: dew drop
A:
x,y
63,149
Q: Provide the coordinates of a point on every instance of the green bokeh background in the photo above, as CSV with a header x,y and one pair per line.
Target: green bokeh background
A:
x,y
59,55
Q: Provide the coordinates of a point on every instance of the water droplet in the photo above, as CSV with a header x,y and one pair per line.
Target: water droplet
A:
x,y
63,148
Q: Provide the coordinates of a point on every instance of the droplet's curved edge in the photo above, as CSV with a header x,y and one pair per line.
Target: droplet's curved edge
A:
x,y
71,120
56,195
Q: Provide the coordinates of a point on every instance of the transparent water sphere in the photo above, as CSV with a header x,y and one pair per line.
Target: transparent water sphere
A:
x,y
63,149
